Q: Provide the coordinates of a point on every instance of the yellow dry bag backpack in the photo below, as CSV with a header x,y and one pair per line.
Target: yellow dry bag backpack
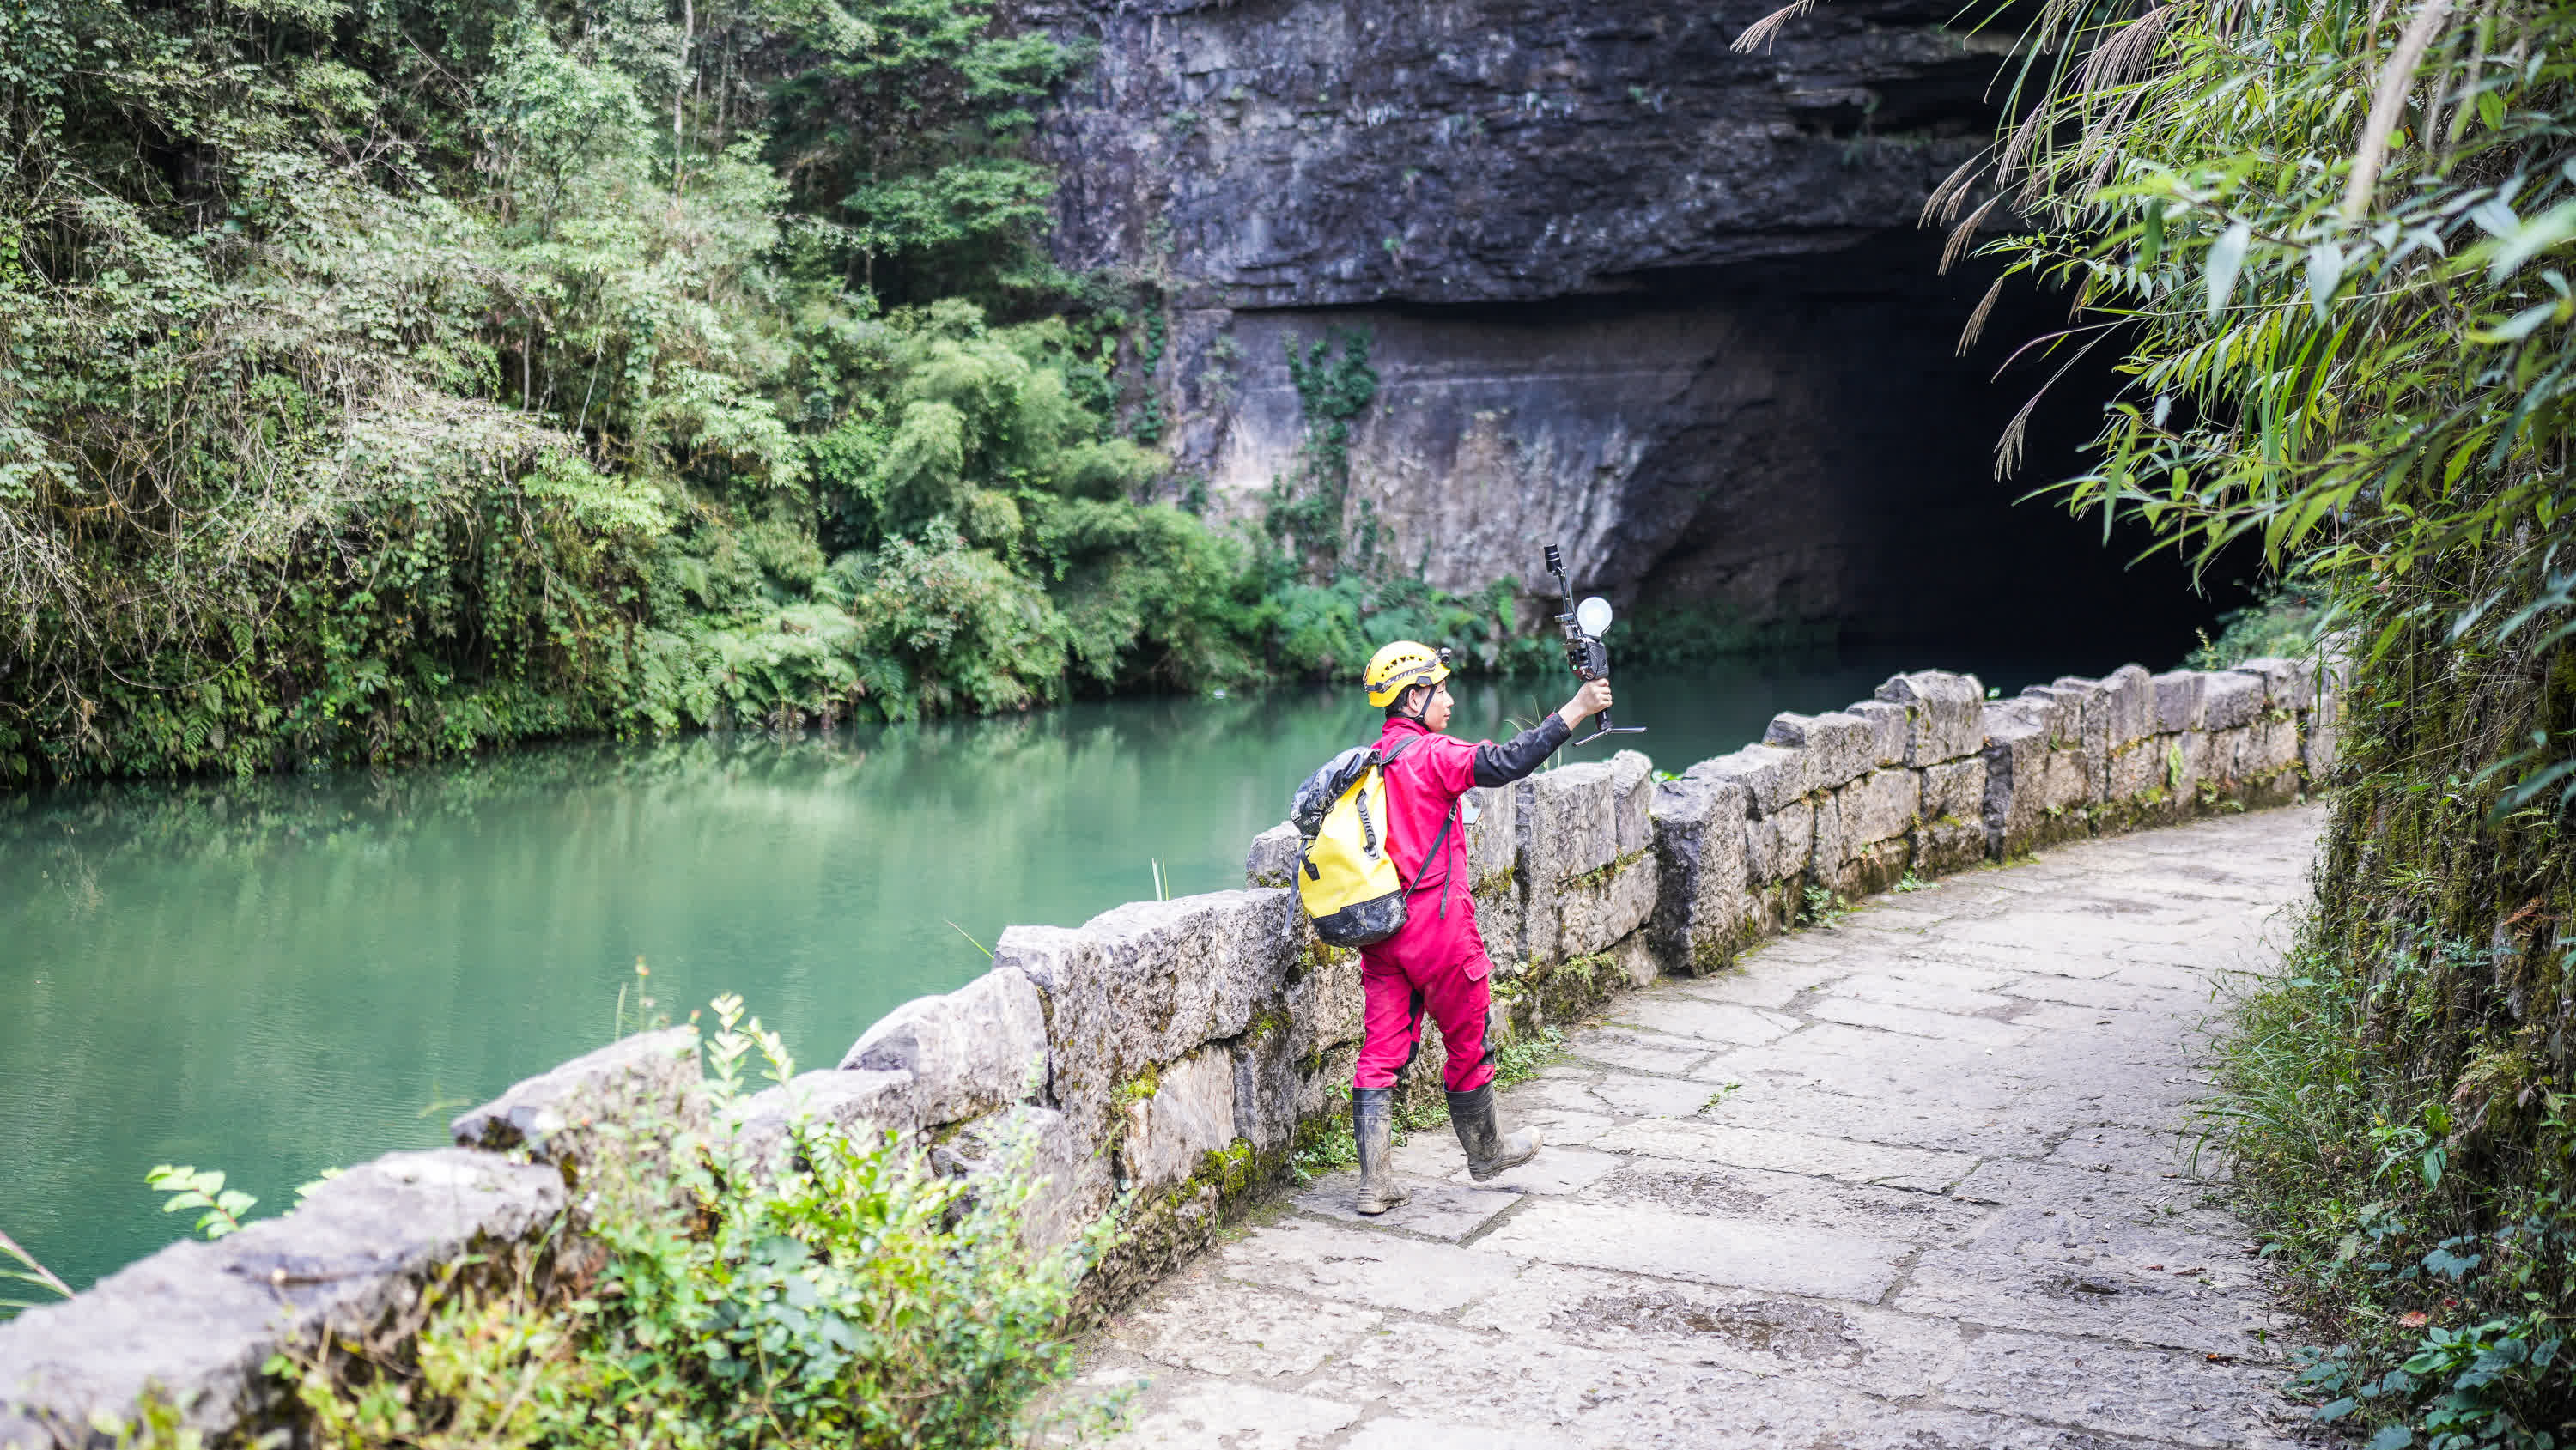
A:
x,y
1346,879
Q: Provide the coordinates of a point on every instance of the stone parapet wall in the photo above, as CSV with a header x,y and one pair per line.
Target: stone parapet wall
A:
x,y
1171,1056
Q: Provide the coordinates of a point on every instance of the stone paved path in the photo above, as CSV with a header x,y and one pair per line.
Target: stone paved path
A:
x,y
1923,1180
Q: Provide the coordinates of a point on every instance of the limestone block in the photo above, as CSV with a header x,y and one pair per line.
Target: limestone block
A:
x,y
1699,855
2287,684
2128,705
1948,844
1771,777
2017,736
2318,750
1825,848
1836,747
1268,1087
2091,700
2268,747
1501,913
1323,999
2085,706
1945,720
2060,712
1632,790
2218,749
2183,758
1597,911
1868,870
1071,1185
1955,790
970,1051
1272,861
2230,699
1633,958
2136,768
853,1104
650,1078
1882,805
1493,838
1532,915
2036,790
1888,725
1568,821
2178,700
1143,983
1776,846
2068,781
1225,952
194,1322
1190,1112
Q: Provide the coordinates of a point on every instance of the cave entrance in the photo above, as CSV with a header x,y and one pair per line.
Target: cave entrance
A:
x,y
1782,451
1860,500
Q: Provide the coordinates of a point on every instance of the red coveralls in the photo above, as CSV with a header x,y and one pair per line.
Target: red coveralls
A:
x,y
1438,960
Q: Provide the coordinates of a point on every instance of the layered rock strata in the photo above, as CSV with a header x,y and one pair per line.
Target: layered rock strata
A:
x,y
1178,1052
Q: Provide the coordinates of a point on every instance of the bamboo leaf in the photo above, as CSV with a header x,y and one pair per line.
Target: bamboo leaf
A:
x,y
2514,329
2529,238
2226,259
2325,274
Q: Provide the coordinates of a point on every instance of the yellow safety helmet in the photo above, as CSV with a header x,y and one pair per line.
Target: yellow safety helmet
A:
x,y
1401,666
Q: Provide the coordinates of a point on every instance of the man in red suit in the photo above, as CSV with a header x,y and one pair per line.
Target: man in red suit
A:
x,y
1437,961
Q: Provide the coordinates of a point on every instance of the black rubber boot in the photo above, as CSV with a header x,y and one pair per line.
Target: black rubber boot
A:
x,y
1489,1149
1373,1127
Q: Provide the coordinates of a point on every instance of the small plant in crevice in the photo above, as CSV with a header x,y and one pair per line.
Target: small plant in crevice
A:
x,y
1822,907
1517,1059
1911,882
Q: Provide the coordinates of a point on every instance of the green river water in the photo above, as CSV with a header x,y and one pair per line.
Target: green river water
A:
x,y
278,976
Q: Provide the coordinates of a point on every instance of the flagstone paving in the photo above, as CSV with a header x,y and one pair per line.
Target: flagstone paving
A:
x,y
1923,1179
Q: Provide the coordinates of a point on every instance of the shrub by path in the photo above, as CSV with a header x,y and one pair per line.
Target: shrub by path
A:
x,y
1922,1179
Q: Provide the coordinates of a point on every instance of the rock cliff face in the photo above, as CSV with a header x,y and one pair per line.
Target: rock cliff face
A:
x,y
1625,289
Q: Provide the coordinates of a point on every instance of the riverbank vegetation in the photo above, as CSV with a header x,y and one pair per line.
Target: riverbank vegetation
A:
x,y
386,382
2332,241
717,1289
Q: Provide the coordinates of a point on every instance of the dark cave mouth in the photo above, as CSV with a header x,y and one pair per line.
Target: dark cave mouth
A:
x,y
1887,465
1786,451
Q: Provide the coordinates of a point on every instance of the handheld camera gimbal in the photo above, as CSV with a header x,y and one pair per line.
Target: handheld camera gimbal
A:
x,y
1583,647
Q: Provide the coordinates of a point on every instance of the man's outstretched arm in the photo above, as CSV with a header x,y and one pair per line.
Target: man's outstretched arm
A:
x,y
1517,757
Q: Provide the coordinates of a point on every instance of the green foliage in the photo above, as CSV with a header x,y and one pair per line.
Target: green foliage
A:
x,y
2448,1271
189,1188
1327,631
28,1272
2285,622
1518,1058
2331,240
823,1291
1335,384
1822,906
480,375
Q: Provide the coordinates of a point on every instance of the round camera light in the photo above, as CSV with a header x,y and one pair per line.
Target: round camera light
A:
x,y
1593,614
